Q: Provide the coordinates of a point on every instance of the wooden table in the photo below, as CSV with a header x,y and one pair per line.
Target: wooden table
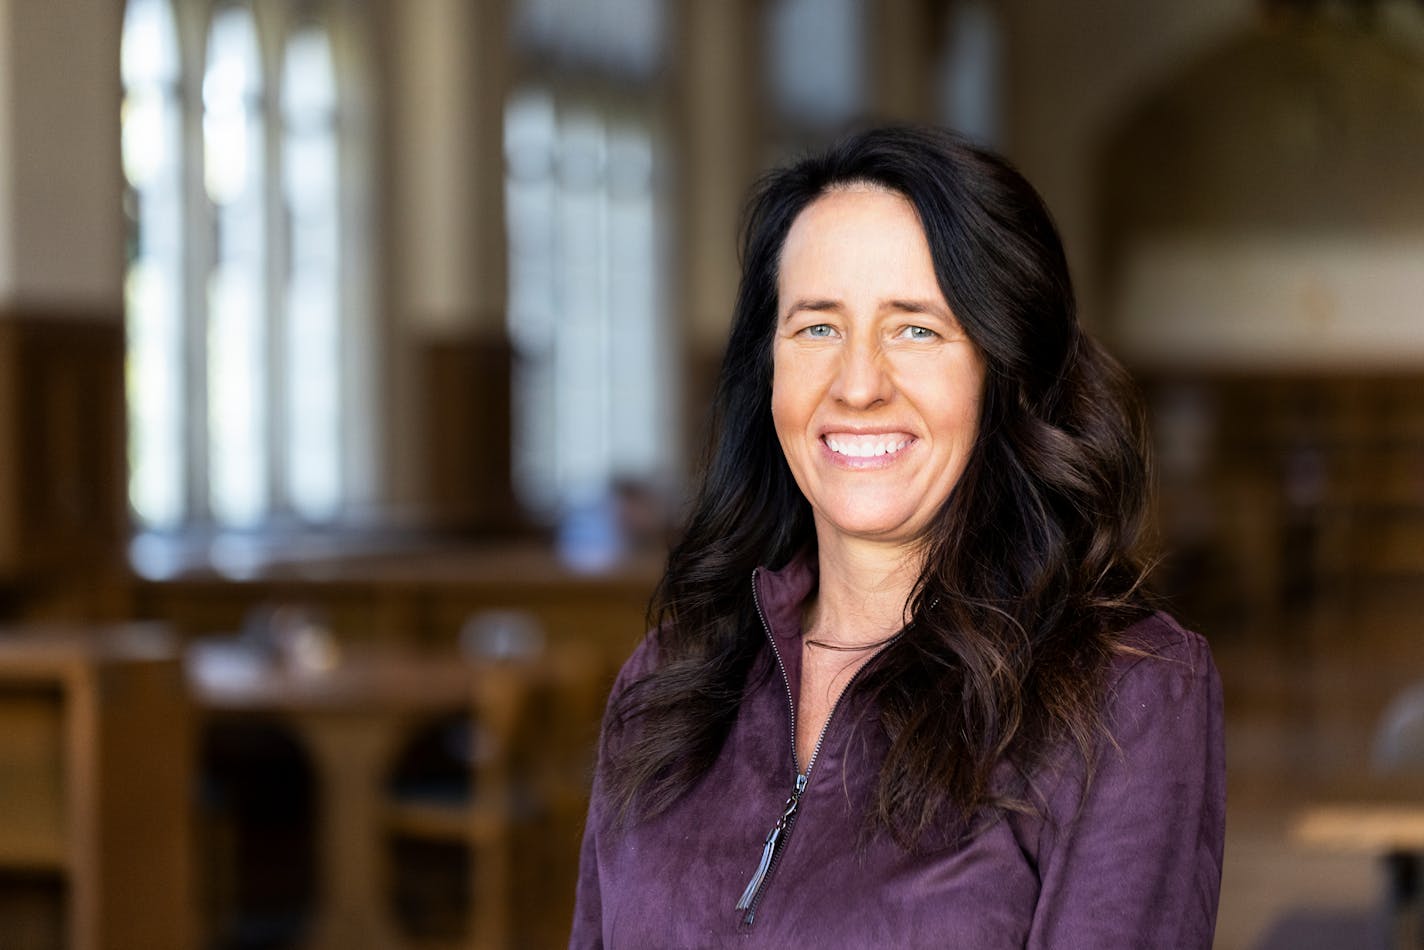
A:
x,y
1361,828
1393,832
352,718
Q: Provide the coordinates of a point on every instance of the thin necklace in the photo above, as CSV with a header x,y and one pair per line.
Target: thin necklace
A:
x,y
854,648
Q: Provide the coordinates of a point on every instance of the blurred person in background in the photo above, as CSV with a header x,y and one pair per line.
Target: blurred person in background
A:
x,y
903,687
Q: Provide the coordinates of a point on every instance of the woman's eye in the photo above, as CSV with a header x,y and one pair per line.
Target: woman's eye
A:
x,y
819,330
919,333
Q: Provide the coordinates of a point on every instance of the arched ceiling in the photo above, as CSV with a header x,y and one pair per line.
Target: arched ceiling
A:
x,y
1265,206
1306,127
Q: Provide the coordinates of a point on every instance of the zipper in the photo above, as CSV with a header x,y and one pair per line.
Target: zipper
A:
x,y
769,851
776,838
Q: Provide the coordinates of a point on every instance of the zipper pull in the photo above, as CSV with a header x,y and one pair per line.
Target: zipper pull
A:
x,y
768,850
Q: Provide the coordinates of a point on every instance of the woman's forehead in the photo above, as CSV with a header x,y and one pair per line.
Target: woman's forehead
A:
x,y
865,233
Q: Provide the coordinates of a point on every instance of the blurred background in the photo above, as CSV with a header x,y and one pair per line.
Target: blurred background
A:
x,y
354,359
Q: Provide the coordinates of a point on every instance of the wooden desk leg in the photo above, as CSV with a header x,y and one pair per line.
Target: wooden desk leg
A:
x,y
1405,906
351,753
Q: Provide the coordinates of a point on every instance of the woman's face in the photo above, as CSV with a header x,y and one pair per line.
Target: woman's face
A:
x,y
875,389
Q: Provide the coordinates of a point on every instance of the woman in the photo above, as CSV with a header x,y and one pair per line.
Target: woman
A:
x,y
902,689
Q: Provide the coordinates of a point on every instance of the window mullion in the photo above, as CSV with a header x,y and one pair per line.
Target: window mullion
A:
x,y
200,222
276,221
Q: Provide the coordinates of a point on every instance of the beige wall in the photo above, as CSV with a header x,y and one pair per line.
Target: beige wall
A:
x,y
448,76
61,225
1217,302
7,120
717,146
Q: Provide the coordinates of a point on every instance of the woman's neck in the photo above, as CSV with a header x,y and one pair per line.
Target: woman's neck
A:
x,y
862,592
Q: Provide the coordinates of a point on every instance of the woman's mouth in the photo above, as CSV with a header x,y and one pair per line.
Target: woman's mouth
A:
x,y
859,450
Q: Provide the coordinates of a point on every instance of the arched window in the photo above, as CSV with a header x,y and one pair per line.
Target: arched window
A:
x,y
241,339
592,387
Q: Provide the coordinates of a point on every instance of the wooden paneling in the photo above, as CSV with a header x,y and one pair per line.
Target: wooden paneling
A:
x,y
63,513
467,430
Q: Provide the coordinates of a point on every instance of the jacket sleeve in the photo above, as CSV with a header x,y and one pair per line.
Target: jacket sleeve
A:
x,y
587,933
589,900
1134,861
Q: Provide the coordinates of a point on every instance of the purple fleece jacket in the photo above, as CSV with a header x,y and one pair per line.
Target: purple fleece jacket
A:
x,y
1134,863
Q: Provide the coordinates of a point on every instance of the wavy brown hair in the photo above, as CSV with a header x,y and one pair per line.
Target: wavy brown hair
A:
x,y
1029,569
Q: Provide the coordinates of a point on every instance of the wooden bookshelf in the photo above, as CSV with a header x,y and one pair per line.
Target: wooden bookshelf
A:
x,y
94,789
1303,491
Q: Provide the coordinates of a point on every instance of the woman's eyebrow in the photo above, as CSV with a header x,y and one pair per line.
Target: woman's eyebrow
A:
x,y
919,306
814,304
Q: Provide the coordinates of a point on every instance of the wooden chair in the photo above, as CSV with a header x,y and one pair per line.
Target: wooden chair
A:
x,y
534,725
561,741
483,823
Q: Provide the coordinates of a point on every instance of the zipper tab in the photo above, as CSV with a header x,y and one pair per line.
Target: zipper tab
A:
x,y
768,850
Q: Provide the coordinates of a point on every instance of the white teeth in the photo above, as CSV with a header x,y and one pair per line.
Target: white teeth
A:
x,y
865,447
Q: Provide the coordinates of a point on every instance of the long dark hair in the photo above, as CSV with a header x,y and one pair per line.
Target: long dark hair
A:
x,y
1030,568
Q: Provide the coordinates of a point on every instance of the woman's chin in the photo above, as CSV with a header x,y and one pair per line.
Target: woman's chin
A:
x,y
883,527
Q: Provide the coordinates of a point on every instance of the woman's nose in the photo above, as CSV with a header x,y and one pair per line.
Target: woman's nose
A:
x,y
862,380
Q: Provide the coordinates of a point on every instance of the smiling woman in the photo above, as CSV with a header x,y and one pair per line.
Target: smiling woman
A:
x,y
942,712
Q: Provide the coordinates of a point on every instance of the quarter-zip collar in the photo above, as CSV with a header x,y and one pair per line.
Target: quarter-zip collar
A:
x,y
781,594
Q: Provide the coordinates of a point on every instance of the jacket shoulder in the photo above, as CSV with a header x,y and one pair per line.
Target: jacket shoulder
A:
x,y
1158,646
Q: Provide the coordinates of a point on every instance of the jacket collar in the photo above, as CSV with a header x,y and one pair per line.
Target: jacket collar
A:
x,y
781,593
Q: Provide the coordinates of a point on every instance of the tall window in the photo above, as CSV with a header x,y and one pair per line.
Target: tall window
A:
x,y
153,288
312,345
969,71
585,302
239,491
238,322
816,67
